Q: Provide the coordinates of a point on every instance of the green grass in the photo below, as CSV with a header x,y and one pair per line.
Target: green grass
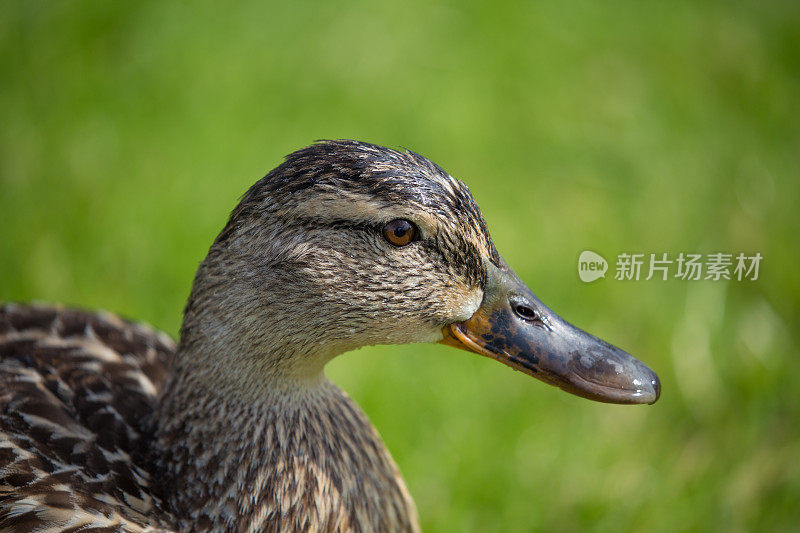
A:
x,y
129,130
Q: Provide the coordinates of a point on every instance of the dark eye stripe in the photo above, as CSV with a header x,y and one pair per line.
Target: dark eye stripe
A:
x,y
335,223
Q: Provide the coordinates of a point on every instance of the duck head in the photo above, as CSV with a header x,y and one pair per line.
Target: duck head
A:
x,y
348,244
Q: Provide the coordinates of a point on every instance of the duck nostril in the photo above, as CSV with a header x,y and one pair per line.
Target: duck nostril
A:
x,y
525,312
528,313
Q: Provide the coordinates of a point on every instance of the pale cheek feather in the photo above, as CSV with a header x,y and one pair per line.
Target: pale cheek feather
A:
x,y
470,301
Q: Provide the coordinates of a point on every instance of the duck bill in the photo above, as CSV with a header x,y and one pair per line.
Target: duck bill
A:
x,y
514,327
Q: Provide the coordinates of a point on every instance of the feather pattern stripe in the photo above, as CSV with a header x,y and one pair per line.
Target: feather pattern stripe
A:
x,y
76,390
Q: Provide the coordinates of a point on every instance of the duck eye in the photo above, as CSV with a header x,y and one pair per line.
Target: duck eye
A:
x,y
400,232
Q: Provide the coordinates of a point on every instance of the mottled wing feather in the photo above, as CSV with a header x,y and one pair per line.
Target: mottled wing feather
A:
x,y
76,389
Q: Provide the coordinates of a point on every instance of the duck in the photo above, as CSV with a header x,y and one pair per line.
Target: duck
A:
x,y
108,425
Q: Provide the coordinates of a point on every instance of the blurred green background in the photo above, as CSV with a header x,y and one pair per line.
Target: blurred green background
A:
x,y
129,129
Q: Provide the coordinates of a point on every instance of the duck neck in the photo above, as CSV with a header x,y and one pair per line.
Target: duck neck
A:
x,y
253,440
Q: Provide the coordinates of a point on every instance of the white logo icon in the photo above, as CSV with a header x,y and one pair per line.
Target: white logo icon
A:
x,y
591,266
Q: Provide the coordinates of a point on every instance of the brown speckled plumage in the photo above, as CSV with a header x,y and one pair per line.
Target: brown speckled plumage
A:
x,y
75,388
106,426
